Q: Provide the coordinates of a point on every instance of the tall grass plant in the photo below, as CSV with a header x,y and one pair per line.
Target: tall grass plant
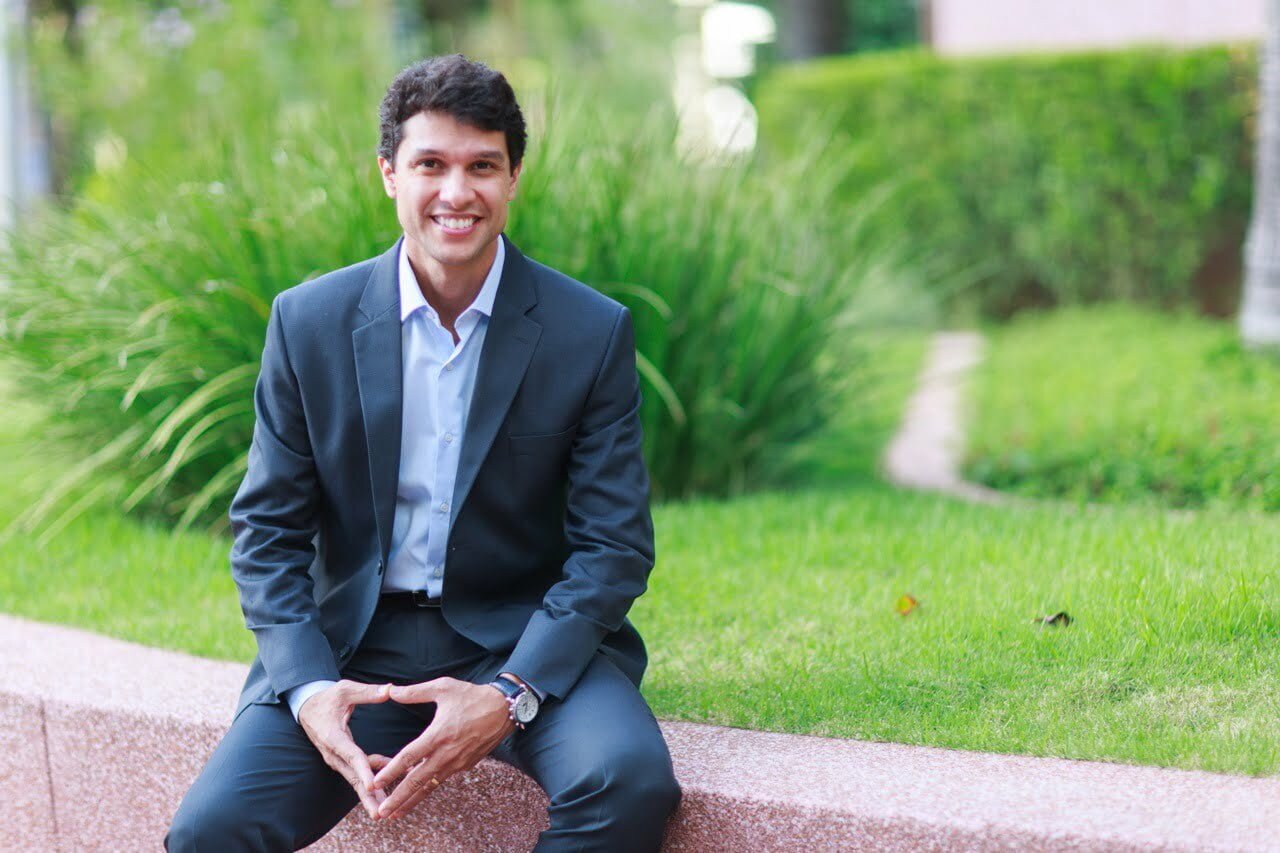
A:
x,y
139,311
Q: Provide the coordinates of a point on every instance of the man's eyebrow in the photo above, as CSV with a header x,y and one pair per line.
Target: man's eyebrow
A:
x,y
492,154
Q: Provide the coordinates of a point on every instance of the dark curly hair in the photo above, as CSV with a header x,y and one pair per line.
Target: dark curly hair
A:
x,y
471,92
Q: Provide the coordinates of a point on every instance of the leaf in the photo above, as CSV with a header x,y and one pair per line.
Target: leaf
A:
x,y
905,604
660,384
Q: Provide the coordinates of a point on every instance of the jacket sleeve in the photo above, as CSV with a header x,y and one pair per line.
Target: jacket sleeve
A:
x,y
608,527
274,523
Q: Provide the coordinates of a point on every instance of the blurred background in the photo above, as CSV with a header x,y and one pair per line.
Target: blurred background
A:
x,y
793,198
826,178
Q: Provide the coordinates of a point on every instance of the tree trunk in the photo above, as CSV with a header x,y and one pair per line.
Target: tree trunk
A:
x,y
1260,310
809,28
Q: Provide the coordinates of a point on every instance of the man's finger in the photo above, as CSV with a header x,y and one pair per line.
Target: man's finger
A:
x,y
339,762
427,691
356,693
370,799
376,763
354,767
419,784
404,761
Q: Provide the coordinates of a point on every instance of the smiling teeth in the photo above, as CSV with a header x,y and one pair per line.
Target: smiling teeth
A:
x,y
455,222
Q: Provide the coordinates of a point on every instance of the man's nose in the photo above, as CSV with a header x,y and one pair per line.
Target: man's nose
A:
x,y
456,190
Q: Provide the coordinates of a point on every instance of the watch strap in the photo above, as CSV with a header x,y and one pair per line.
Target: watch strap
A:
x,y
511,690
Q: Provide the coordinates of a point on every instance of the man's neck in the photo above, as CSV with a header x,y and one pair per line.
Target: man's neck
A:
x,y
449,290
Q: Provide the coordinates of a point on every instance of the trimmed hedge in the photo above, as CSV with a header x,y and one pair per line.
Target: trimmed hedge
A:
x,y
1041,179
1123,404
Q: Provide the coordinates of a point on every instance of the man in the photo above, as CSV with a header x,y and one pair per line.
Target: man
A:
x,y
444,519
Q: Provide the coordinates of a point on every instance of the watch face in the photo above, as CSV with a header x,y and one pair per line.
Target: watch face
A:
x,y
526,707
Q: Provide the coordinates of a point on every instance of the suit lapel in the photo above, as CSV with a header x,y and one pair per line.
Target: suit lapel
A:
x,y
379,375
509,343
508,347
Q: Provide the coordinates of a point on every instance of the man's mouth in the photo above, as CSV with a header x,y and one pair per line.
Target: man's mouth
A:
x,y
456,224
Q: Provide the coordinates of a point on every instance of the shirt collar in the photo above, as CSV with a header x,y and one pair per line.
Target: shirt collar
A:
x,y
411,298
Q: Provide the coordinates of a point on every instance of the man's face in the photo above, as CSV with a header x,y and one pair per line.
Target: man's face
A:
x,y
452,183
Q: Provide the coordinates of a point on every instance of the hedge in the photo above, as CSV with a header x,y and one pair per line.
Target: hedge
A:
x,y
1041,179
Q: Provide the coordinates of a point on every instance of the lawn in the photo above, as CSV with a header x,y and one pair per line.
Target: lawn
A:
x,y
1124,404
777,611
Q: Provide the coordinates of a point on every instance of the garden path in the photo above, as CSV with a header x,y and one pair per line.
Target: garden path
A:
x,y
925,452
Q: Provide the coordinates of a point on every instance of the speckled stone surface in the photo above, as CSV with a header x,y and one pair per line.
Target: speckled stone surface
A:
x,y
26,792
120,731
492,808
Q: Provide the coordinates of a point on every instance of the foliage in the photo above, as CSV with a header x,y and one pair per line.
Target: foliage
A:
x,y
883,24
872,24
1126,405
137,91
1050,178
141,310
778,612
737,278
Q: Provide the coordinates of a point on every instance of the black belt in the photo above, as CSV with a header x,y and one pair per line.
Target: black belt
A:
x,y
411,598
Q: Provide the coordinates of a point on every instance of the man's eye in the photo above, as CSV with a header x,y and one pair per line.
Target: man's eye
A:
x,y
484,165
428,164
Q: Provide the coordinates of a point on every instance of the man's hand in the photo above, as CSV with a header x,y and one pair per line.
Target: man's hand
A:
x,y
470,720
324,718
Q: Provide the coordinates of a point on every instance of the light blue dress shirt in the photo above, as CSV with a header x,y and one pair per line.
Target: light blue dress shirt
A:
x,y
439,378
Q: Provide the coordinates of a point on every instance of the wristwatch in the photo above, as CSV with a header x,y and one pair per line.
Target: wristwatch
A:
x,y
522,701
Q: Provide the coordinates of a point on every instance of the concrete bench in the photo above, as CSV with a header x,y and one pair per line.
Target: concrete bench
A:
x,y
99,740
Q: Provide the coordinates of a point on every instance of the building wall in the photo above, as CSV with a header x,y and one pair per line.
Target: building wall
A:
x,y
1009,26
24,154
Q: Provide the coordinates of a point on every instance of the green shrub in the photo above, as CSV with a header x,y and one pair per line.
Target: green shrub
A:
x,y
138,91
1049,179
141,314
1120,404
737,279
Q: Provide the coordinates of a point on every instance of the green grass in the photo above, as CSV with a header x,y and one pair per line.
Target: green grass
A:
x,y
777,612
109,573
1122,404
872,396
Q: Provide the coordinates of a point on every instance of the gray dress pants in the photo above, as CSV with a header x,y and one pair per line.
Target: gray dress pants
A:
x,y
598,754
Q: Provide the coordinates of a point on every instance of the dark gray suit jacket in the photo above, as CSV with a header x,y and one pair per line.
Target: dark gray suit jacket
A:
x,y
551,538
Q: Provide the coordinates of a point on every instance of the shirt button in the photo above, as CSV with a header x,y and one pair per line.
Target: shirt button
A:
x,y
448,438
444,506
436,573
449,366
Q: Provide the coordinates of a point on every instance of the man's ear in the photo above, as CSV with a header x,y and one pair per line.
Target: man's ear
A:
x,y
388,176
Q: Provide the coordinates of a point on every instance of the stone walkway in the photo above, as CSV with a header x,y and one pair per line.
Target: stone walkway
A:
x,y
925,454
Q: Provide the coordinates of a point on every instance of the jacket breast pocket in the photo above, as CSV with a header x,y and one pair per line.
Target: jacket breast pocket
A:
x,y
541,445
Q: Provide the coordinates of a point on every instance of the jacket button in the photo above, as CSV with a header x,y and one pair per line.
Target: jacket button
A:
x,y
382,567
344,653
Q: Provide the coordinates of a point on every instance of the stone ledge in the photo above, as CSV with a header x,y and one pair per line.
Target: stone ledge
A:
x,y
99,740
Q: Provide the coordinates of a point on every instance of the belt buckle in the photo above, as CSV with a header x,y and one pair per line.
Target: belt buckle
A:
x,y
421,599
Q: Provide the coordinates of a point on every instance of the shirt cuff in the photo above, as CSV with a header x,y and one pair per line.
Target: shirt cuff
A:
x,y
541,694
296,696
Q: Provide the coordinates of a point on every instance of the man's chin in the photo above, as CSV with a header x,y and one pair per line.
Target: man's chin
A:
x,y
456,254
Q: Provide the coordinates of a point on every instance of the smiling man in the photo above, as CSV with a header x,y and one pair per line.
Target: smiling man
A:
x,y
444,520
